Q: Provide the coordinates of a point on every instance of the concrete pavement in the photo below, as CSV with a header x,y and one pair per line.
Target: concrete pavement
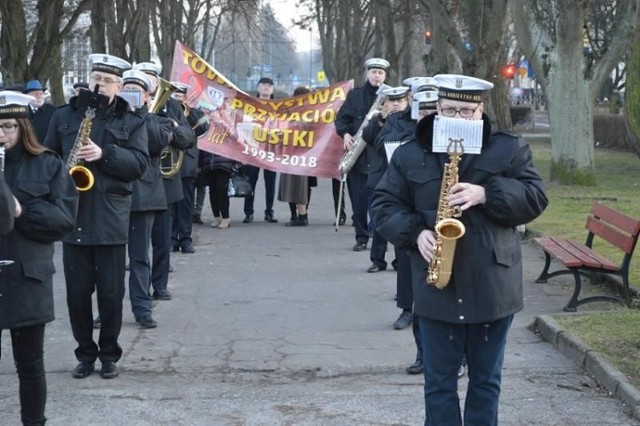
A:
x,y
272,325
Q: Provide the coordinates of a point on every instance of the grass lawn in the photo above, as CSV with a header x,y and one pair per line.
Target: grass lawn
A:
x,y
615,333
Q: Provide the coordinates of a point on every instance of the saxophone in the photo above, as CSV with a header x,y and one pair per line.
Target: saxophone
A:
x,y
448,229
350,157
82,176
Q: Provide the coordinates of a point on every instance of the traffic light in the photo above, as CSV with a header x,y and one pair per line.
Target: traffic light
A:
x,y
427,37
508,71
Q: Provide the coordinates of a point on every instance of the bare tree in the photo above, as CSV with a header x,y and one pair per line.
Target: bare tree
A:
x,y
632,92
572,57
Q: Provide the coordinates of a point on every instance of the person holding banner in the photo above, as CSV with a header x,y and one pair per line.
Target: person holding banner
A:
x,y
265,91
350,116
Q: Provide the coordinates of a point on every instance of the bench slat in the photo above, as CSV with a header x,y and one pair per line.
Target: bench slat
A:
x,y
586,260
621,220
598,261
551,246
611,234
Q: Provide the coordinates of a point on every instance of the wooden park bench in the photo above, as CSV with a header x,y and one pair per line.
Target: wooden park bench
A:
x,y
608,224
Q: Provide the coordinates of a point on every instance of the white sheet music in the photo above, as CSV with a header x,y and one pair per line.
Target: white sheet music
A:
x,y
468,132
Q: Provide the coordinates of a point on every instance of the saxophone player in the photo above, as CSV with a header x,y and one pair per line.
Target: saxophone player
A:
x,y
497,190
348,121
94,252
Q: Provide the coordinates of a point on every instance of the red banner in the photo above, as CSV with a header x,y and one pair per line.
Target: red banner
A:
x,y
291,135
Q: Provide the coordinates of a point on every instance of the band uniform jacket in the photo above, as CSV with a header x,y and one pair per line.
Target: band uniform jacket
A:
x,y
103,214
486,283
183,140
351,115
49,201
7,207
40,120
148,191
190,166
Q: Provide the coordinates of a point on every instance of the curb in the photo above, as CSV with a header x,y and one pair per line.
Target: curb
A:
x,y
605,373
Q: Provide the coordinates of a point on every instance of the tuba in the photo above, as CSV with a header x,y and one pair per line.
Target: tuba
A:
x,y
448,229
171,158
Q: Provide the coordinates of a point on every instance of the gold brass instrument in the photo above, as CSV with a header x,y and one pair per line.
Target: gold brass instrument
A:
x,y
82,177
171,158
448,229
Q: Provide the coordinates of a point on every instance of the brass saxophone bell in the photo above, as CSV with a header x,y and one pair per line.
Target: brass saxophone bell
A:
x,y
82,177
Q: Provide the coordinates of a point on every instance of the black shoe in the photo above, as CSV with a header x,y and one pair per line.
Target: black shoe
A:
x,y
375,268
394,264
96,322
343,219
415,368
162,294
247,218
270,218
360,247
83,370
197,219
403,321
175,247
147,322
300,221
187,248
109,370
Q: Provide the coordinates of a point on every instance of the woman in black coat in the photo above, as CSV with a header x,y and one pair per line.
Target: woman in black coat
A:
x,y
48,204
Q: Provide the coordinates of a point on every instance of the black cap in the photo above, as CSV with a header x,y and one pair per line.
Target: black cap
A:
x,y
265,80
82,84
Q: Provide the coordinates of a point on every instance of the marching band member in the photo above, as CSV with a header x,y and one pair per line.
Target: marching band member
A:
x,y
40,112
148,198
182,214
351,115
182,138
497,190
48,204
94,253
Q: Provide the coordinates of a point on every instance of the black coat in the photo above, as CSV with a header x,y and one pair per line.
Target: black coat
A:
x,y
183,139
351,115
487,272
190,167
103,215
7,207
399,127
148,191
49,201
40,120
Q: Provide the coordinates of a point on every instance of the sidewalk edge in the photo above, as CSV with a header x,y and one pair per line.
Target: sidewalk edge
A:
x,y
605,373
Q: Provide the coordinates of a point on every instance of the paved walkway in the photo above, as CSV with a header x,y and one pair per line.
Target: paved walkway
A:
x,y
272,325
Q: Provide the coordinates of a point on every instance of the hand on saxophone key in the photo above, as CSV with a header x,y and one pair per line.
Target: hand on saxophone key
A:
x,y
348,141
465,195
426,244
89,152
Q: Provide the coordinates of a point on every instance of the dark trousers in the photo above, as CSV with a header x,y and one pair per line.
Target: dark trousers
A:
x,y
357,185
27,343
443,347
161,245
140,224
182,213
335,187
88,269
217,180
200,190
269,185
404,290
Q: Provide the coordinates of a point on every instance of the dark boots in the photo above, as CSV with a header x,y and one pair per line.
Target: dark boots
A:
x,y
300,220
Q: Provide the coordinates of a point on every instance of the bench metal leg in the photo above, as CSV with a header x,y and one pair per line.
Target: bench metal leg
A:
x,y
574,302
542,278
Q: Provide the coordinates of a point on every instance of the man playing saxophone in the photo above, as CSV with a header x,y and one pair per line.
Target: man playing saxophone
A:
x,y
350,117
115,152
497,189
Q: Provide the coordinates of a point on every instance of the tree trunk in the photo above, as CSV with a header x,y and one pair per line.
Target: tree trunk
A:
x,y
13,42
632,94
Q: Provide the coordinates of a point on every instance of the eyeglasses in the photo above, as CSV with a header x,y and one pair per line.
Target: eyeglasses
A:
x,y
105,80
9,128
464,112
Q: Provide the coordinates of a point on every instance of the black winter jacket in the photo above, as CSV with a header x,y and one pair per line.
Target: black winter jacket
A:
x,y
190,167
49,201
103,214
487,272
183,139
7,207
